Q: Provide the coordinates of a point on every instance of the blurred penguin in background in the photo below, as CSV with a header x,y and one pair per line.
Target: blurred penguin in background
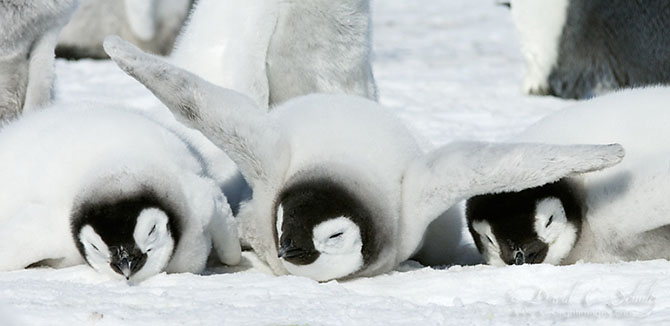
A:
x,y
28,34
272,50
583,48
153,25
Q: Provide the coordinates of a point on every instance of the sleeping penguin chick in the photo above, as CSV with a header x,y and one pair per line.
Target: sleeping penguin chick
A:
x,y
341,188
127,237
323,231
537,225
618,214
111,188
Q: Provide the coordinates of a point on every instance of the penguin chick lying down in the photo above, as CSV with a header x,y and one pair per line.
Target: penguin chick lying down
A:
x,y
340,186
618,214
111,188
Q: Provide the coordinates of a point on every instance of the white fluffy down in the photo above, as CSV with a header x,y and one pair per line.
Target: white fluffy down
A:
x,y
559,235
60,156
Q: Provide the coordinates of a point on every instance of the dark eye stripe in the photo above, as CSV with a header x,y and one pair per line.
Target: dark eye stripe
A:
x,y
94,247
551,219
152,230
336,235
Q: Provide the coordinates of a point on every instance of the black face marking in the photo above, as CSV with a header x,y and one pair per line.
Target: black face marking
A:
x,y
609,44
311,202
512,219
114,219
126,261
152,230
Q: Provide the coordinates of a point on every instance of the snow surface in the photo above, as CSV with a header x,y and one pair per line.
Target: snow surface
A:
x,y
452,70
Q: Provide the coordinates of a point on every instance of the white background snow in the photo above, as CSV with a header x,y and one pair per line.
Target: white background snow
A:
x,y
452,70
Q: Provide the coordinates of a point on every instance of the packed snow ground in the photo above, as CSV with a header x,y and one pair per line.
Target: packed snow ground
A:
x,y
452,70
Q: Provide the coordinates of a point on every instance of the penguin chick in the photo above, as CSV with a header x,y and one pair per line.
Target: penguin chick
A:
x,y
618,214
111,188
338,180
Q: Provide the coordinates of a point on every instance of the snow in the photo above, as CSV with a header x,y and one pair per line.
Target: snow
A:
x,y
452,70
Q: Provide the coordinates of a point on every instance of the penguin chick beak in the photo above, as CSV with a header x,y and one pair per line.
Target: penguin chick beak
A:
x,y
288,250
126,263
519,258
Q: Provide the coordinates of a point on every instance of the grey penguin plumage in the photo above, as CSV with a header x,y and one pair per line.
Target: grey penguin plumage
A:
x,y
28,35
581,49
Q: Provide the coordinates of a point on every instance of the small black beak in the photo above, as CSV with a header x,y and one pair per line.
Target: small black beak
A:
x,y
505,4
126,263
288,250
519,258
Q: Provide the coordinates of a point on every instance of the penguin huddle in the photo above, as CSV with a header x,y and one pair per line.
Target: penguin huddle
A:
x,y
340,187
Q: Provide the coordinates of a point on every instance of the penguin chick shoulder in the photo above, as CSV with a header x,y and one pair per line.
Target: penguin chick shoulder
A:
x,y
340,186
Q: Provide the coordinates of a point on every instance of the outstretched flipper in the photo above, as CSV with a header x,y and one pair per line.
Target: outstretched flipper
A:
x,y
229,119
461,170
223,229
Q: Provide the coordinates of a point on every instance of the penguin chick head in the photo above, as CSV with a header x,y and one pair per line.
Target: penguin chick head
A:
x,y
537,225
131,239
323,231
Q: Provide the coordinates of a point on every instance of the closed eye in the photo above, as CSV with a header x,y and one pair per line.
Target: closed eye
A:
x,y
336,235
152,230
94,247
489,238
551,219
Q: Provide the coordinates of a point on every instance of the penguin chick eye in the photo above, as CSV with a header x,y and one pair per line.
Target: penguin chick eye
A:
x,y
489,238
551,219
336,235
94,247
152,230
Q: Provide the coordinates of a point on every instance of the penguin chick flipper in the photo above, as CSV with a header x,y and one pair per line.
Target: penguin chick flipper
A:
x,y
460,170
223,230
34,234
229,119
